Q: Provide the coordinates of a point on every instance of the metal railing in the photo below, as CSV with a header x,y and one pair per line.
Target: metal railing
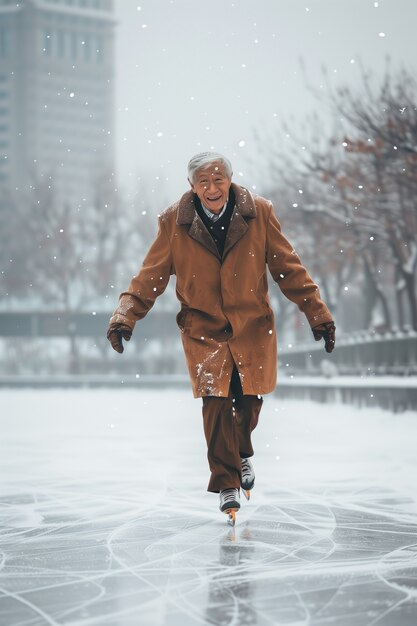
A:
x,y
365,369
364,353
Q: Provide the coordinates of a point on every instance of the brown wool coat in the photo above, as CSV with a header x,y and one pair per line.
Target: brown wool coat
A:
x,y
225,315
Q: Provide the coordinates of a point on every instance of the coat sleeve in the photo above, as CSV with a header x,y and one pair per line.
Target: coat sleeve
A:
x,y
148,284
291,276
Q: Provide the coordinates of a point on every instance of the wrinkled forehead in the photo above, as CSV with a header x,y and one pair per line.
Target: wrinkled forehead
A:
x,y
211,170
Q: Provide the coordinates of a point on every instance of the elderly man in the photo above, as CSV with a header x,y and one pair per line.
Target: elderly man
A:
x,y
218,240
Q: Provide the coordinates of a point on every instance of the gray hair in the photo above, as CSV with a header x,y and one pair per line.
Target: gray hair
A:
x,y
204,159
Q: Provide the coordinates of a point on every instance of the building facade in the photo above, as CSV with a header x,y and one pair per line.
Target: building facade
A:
x,y
56,95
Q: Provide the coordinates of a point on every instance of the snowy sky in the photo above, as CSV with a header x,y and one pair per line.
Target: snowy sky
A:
x,y
192,76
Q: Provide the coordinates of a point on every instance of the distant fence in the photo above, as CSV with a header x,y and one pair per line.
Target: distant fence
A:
x,y
70,324
68,381
361,353
368,352
366,369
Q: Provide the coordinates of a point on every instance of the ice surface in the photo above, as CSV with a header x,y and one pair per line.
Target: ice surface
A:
x,y
105,519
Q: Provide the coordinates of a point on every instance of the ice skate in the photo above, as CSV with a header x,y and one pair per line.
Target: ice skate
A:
x,y
248,477
230,504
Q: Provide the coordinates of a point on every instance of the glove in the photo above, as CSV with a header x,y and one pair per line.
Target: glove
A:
x,y
116,333
327,332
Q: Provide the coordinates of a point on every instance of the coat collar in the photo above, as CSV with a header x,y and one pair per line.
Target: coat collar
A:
x,y
244,208
245,205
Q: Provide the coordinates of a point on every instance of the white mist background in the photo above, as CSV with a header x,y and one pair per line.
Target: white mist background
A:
x,y
193,76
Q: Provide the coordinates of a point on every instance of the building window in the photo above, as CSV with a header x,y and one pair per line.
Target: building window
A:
x,y
99,49
74,37
86,43
47,44
61,43
3,41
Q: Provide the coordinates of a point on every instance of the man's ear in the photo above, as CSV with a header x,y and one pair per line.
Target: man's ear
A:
x,y
191,184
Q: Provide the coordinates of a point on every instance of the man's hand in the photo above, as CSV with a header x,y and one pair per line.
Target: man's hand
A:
x,y
327,332
116,333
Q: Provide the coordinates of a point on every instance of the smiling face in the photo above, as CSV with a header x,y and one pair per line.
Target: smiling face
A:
x,y
211,184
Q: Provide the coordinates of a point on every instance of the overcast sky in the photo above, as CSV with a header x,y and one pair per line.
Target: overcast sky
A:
x,y
194,75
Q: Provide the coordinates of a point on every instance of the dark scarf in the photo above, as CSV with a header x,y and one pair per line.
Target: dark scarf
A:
x,y
217,229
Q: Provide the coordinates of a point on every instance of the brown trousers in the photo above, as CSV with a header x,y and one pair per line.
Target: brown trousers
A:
x,y
228,424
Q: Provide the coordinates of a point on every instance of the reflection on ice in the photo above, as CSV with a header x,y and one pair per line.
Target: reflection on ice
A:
x,y
113,526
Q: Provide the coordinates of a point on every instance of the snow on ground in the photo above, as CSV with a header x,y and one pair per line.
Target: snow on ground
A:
x,y
105,519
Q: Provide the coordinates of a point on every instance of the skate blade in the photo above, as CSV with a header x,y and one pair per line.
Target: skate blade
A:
x,y
246,493
231,516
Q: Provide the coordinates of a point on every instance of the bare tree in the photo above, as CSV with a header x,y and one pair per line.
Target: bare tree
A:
x,y
358,184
